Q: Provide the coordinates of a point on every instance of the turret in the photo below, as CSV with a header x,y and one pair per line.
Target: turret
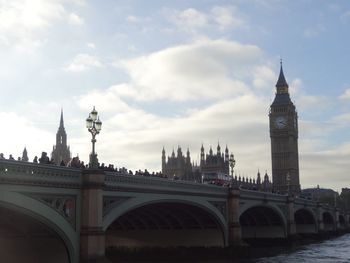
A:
x,y
163,157
188,158
226,154
258,178
202,155
25,155
210,151
218,148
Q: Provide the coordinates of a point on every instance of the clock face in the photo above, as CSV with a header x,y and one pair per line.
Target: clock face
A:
x,y
281,122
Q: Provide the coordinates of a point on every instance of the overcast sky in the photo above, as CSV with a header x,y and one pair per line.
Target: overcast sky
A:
x,y
169,73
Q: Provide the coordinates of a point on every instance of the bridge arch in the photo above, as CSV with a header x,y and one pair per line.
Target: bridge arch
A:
x,y
305,221
262,221
193,217
328,221
42,214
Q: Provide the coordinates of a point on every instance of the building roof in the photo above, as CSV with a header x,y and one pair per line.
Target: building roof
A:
x,y
281,82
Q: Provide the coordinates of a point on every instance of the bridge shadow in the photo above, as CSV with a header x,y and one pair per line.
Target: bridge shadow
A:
x,y
25,239
165,224
261,223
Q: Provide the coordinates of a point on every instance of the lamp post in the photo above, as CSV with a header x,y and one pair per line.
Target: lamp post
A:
x,y
93,124
232,163
288,182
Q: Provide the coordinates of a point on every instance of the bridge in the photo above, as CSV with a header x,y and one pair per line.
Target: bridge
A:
x,y
84,212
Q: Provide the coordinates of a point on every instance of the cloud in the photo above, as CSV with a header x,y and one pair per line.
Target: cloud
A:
x,y
83,62
23,23
345,17
220,17
91,45
264,76
206,69
345,95
314,31
227,17
22,133
75,20
189,19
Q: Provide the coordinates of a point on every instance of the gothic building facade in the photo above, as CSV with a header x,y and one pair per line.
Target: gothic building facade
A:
x,y
61,152
284,140
183,168
179,166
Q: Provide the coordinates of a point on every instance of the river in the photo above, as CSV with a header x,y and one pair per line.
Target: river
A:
x,y
336,250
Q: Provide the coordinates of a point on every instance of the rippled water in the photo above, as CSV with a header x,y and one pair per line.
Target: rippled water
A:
x,y
335,250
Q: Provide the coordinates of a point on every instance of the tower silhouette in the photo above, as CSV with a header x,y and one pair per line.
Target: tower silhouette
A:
x,y
284,140
61,151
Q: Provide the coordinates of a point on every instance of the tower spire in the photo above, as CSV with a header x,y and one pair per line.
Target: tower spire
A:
x,y
281,82
61,120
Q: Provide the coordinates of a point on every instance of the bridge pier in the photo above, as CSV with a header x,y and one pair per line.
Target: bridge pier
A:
x,y
320,222
92,236
234,227
291,227
336,218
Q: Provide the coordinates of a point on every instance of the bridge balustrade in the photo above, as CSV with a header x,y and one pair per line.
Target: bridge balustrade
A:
x,y
18,172
113,180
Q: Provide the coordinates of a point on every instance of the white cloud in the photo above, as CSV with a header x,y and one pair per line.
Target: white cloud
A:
x,y
345,17
221,17
83,62
189,19
23,22
345,95
22,133
91,45
75,20
264,77
314,31
204,69
227,17
132,19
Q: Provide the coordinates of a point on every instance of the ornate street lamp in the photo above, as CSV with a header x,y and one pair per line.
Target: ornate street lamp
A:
x,y
232,163
288,182
93,124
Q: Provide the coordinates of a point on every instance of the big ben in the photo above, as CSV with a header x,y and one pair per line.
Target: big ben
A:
x,y
284,140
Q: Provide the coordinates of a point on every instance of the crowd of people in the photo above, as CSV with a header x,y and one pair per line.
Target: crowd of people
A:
x,y
75,162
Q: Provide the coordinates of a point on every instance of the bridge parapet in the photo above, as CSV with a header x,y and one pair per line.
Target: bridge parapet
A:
x,y
271,197
18,172
115,181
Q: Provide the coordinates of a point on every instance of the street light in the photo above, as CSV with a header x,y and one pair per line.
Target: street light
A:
x,y
232,163
94,125
288,182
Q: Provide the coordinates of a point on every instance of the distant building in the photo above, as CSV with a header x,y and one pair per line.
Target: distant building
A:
x,y
25,155
177,167
181,167
61,151
215,163
319,194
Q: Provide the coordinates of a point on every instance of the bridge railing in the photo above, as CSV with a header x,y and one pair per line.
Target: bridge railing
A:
x,y
116,180
251,194
18,172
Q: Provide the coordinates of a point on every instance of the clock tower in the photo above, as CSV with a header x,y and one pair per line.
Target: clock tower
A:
x,y
284,140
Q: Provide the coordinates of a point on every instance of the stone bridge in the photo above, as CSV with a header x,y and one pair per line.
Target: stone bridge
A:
x,y
82,213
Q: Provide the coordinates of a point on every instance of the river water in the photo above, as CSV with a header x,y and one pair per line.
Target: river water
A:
x,y
335,250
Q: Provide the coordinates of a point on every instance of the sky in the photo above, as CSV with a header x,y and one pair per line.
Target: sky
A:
x,y
170,73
